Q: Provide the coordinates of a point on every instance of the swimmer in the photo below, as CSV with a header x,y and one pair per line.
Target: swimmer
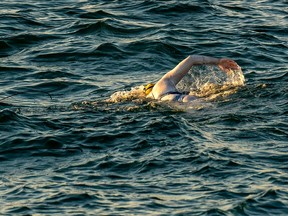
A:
x,y
165,89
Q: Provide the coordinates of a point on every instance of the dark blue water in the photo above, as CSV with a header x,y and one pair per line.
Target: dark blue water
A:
x,y
64,150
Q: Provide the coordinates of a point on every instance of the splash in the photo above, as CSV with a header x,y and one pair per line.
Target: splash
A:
x,y
135,100
210,82
202,81
136,93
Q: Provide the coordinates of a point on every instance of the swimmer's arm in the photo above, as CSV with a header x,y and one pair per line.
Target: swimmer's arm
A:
x,y
184,66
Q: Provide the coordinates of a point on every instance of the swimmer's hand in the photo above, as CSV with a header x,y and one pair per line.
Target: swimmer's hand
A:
x,y
227,65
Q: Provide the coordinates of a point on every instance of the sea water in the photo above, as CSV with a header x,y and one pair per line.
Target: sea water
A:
x,y
75,141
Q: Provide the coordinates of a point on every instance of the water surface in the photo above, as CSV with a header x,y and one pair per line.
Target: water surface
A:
x,y
75,154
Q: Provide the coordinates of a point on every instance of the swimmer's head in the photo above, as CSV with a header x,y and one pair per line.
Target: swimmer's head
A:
x,y
148,88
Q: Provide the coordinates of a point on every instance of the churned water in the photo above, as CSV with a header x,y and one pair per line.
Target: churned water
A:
x,y
68,148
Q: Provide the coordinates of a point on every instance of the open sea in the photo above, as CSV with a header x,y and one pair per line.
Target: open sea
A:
x,y
66,150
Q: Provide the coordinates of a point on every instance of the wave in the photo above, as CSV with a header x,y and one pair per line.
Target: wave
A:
x,y
50,75
6,49
99,14
18,21
72,54
113,26
170,9
15,43
160,47
258,203
100,144
25,39
21,143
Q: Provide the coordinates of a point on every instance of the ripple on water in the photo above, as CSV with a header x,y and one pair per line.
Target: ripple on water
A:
x,y
82,152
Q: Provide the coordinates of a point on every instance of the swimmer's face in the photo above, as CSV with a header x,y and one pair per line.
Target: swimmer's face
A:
x,y
148,88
